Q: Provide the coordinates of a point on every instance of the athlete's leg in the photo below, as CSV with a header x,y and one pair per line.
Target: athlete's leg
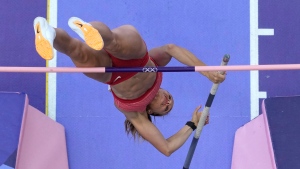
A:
x,y
123,42
80,53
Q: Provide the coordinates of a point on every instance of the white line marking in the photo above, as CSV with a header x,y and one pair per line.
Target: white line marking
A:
x,y
254,58
262,95
266,32
255,94
51,109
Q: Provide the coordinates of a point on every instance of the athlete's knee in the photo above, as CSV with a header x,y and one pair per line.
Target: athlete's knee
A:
x,y
128,27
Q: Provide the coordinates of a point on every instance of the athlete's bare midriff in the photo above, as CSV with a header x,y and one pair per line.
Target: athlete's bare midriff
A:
x,y
136,86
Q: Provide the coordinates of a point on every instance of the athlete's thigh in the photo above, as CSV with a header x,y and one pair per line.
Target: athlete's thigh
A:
x,y
94,58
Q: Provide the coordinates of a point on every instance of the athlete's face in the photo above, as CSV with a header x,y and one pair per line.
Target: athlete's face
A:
x,y
162,103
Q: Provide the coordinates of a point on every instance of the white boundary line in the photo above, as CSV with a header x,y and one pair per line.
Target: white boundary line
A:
x,y
255,94
51,88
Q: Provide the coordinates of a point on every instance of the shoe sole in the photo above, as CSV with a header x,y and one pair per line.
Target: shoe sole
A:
x,y
42,45
90,35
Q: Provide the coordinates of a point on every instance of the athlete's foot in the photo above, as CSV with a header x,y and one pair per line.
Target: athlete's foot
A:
x,y
44,37
87,32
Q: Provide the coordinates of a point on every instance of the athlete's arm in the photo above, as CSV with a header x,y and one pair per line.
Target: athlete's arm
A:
x,y
151,133
162,55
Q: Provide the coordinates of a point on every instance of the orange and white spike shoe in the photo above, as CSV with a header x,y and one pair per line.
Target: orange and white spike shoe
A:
x,y
87,32
44,37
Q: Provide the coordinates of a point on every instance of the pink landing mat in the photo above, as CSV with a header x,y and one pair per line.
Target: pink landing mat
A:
x,y
252,145
42,143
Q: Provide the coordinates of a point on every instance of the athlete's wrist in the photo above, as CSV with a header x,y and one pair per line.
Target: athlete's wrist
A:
x,y
191,125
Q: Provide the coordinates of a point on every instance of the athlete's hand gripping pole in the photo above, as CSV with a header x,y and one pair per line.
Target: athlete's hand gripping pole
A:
x,y
203,117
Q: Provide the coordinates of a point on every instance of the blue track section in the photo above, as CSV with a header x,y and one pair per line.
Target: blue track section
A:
x,y
18,49
209,29
282,48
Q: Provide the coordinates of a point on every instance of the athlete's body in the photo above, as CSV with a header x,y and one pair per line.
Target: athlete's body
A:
x,y
137,95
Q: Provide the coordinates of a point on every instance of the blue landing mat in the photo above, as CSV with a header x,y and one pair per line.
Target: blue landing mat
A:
x,y
11,113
